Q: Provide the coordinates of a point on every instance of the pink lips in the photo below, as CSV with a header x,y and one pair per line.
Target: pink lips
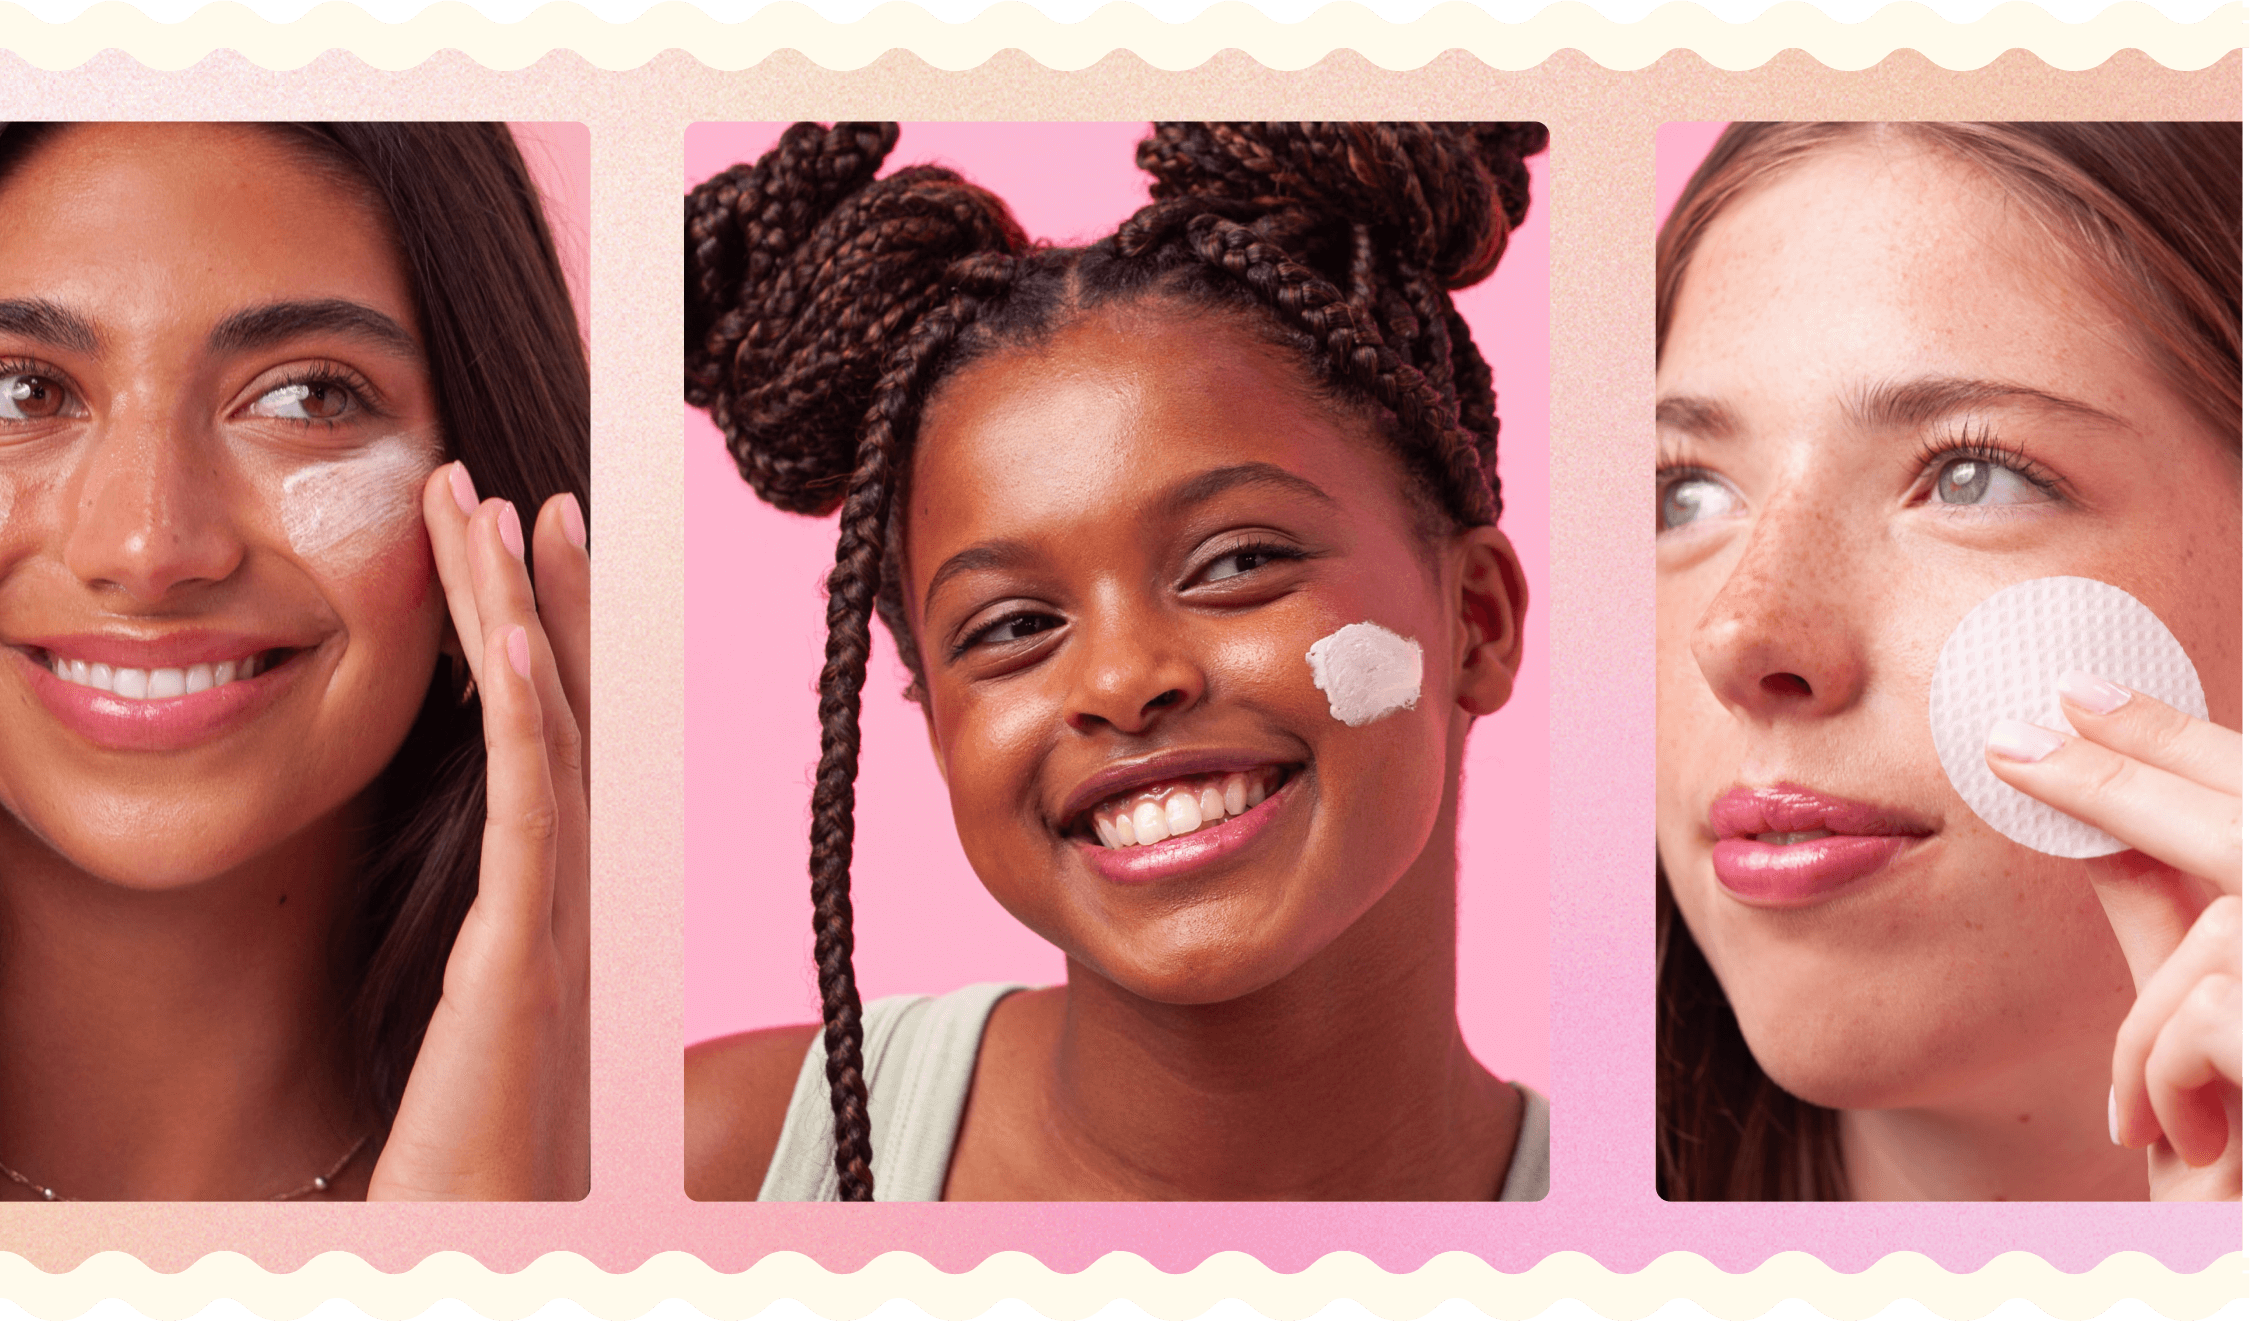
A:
x,y
1862,840
1145,863
161,725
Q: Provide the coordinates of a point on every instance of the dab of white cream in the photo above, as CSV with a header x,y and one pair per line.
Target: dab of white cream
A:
x,y
341,511
1367,671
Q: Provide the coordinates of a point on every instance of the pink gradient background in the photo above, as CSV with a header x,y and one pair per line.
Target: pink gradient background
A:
x,y
560,157
923,923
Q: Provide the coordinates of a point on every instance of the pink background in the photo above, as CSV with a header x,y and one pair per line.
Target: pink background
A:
x,y
560,157
923,923
1679,149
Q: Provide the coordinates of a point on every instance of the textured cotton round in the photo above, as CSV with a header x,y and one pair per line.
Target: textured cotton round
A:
x,y
2002,661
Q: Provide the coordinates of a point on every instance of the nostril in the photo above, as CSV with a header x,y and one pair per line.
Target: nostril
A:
x,y
1163,699
1785,685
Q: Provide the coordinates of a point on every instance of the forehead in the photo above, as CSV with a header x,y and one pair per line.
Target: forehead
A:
x,y
1882,257
1110,412
174,213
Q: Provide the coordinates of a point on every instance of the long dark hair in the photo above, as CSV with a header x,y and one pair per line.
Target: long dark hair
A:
x,y
513,401
824,306
2152,213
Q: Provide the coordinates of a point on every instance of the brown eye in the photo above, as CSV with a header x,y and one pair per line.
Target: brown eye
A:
x,y
305,401
28,398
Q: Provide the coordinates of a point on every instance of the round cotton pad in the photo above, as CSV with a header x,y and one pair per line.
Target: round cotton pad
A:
x,y
2002,661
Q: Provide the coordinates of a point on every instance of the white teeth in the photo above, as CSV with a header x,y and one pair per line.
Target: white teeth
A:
x,y
1794,836
1182,810
152,685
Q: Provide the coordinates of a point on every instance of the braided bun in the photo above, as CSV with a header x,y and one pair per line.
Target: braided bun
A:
x,y
1440,197
802,271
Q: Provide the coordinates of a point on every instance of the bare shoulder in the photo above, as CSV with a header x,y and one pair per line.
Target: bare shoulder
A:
x,y
738,1092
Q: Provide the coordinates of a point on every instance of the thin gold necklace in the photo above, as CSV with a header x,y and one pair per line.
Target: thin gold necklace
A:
x,y
319,1183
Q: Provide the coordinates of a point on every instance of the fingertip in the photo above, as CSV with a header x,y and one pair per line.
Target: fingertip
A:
x,y
573,520
519,651
2021,741
511,529
464,490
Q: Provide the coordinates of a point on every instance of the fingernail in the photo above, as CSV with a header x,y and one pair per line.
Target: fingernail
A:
x,y
519,657
2017,741
2091,691
574,521
464,490
2113,1115
511,529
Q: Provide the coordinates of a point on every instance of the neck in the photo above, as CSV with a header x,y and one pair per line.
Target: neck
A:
x,y
2037,1134
179,1043
1346,1079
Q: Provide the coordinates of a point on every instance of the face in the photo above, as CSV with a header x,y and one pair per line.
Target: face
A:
x,y
1120,548
217,603
1886,396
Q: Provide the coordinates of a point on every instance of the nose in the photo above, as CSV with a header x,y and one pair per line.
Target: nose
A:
x,y
149,516
1784,636
1135,668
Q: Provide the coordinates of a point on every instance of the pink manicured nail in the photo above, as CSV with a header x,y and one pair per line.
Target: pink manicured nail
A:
x,y
511,529
2091,692
519,651
2017,741
574,521
464,490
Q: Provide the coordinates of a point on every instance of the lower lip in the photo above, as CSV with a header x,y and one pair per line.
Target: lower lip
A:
x,y
1142,864
1786,875
166,724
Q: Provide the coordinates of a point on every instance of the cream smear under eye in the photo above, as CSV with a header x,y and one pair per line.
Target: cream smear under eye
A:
x,y
341,511
1367,671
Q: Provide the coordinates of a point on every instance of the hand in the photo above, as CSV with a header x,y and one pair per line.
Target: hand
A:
x,y
2170,786
496,1107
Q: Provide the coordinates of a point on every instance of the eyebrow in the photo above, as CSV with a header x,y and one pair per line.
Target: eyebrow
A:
x,y
263,327
1894,405
1194,491
48,323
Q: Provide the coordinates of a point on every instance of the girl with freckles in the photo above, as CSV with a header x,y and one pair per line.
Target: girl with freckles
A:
x,y
1189,541
292,809
1903,368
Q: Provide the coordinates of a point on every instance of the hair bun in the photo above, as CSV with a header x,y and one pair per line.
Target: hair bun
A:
x,y
1443,196
800,271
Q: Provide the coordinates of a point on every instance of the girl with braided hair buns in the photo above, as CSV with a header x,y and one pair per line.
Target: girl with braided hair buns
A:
x,y
1188,538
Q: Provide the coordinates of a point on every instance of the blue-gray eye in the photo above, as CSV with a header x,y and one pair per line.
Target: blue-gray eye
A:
x,y
1690,497
1981,482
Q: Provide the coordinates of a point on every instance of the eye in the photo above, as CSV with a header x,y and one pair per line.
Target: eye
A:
x,y
1691,495
306,401
1013,628
1965,481
30,397
1236,561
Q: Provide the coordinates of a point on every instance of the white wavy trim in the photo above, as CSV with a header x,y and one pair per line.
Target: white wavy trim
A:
x,y
1065,1296
1568,25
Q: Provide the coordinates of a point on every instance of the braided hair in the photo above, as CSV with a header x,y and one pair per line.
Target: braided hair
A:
x,y
824,306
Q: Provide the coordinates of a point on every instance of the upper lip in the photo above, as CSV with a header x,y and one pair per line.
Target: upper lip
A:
x,y
1744,812
1121,776
174,649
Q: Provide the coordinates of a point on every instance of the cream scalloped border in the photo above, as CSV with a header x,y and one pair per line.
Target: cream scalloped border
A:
x,y
1065,1296
1123,26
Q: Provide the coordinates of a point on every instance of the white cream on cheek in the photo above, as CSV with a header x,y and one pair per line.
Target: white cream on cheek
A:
x,y
1367,671
337,513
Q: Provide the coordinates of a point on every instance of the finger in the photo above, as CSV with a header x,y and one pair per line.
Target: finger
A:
x,y
2188,1070
2169,817
2148,731
564,577
522,824
2150,906
2211,947
449,500
504,596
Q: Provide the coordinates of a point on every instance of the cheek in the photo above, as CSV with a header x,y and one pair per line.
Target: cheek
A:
x,y
340,516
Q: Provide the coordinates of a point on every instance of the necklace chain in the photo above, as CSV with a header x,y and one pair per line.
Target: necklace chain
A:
x,y
319,1183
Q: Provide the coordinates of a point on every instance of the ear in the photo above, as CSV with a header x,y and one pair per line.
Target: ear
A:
x,y
1492,597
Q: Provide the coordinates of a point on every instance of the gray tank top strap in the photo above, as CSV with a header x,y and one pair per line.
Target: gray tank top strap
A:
x,y
920,1054
1526,1179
